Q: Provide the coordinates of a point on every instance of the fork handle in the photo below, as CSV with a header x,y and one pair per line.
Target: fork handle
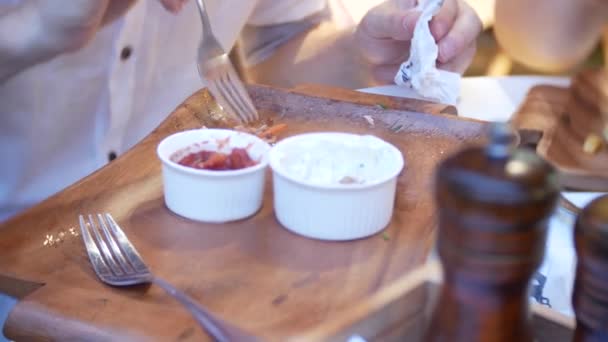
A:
x,y
203,317
202,10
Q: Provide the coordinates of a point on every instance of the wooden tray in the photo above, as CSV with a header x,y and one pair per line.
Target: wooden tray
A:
x,y
557,120
252,273
401,312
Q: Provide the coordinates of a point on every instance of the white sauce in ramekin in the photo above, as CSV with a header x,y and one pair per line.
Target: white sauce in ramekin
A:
x,y
353,160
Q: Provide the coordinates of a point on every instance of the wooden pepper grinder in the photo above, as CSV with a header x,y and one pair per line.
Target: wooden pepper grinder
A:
x,y
590,296
493,205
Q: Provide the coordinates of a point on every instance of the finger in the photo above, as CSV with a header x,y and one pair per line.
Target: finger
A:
x,y
405,5
382,51
385,74
444,19
461,62
173,6
465,30
386,21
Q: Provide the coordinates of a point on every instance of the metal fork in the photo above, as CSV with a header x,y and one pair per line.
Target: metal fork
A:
x,y
117,262
215,67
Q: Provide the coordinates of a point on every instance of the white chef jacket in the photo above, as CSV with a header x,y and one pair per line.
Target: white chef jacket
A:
x,y
63,119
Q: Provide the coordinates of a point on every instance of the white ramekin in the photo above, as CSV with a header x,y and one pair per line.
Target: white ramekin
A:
x,y
333,211
207,195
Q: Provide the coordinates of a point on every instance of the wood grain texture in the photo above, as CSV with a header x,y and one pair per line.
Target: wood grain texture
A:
x,y
376,100
252,273
590,295
401,311
558,120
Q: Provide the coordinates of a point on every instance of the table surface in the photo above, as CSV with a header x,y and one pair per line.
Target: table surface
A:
x,y
501,98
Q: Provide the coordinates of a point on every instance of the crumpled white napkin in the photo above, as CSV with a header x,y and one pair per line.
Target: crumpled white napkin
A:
x,y
419,71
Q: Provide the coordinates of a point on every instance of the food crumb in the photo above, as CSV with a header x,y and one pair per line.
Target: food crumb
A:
x,y
268,132
51,240
385,236
369,120
592,144
381,106
221,143
350,180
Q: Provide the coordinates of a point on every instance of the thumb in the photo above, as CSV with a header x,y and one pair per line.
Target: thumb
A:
x,y
383,22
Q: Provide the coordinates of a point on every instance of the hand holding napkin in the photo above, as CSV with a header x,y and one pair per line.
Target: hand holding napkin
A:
x,y
420,71
431,35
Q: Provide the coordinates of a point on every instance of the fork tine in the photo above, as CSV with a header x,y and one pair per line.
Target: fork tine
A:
x,y
240,92
221,100
105,251
242,95
126,245
99,264
118,254
228,92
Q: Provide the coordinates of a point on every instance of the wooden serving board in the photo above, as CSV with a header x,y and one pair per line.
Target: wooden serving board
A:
x,y
252,273
375,100
557,120
402,310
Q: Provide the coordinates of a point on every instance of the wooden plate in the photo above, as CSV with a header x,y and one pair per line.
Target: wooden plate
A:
x,y
252,273
558,120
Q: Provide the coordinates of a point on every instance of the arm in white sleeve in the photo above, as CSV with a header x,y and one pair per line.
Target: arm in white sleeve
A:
x,y
274,23
19,31
549,35
33,32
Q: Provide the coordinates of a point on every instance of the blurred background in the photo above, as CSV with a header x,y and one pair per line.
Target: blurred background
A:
x,y
323,46
491,61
